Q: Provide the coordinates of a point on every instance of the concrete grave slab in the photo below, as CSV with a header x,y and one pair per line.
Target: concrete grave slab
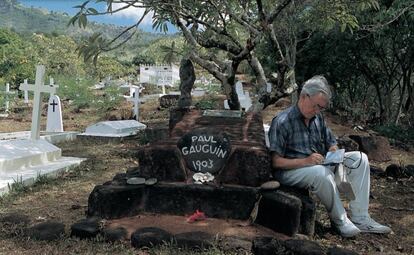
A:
x,y
23,161
119,128
52,137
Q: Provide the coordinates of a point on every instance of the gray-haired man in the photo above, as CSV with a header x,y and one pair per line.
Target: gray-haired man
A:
x,y
299,138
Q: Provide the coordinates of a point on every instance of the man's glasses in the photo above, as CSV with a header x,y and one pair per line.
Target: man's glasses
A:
x,y
317,106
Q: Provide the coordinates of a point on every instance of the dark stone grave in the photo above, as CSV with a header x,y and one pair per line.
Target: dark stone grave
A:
x,y
212,161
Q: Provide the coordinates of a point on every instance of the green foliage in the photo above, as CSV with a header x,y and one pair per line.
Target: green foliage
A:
x,y
141,59
17,187
396,132
75,89
208,103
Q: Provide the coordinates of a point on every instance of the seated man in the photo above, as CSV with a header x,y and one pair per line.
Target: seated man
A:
x,y
299,138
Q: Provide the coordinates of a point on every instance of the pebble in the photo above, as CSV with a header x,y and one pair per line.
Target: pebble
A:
x,y
136,181
151,181
270,185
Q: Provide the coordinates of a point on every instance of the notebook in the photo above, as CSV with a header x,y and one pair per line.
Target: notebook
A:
x,y
334,157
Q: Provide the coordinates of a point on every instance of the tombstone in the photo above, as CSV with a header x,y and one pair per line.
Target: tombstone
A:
x,y
52,83
54,115
167,101
38,88
26,93
118,128
134,98
198,92
226,145
205,150
7,93
22,160
244,97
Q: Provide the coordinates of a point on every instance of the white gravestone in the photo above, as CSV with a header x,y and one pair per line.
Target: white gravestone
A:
x,y
54,115
7,93
26,93
135,99
244,98
38,88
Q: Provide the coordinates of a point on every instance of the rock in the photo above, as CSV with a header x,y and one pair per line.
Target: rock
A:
x,y
347,143
150,236
195,239
340,251
15,219
151,181
47,231
303,247
270,185
136,181
86,228
269,246
114,234
397,171
376,147
234,243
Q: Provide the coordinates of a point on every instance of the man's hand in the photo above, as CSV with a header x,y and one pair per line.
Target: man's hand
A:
x,y
314,159
333,148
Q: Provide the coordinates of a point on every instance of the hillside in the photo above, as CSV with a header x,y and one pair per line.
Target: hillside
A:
x,y
29,20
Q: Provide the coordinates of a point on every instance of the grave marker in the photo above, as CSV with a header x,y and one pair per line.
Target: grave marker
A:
x,y
205,150
134,98
26,93
38,88
54,115
7,93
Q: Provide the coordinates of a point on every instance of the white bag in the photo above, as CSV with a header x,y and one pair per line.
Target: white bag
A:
x,y
341,180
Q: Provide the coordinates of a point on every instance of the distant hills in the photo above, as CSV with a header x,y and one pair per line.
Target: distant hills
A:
x,y
29,20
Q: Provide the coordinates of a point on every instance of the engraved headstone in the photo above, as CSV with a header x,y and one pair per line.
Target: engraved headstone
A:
x,y
167,101
205,150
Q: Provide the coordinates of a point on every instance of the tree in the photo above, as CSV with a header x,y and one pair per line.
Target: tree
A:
x,y
220,35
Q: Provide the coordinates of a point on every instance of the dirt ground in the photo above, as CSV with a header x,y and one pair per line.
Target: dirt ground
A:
x,y
65,199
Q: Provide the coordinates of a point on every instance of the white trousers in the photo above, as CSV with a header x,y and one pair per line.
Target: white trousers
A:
x,y
320,181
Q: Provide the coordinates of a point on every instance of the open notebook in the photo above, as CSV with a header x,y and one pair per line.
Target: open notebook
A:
x,y
334,157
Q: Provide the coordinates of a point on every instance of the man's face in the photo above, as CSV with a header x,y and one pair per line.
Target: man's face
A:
x,y
313,105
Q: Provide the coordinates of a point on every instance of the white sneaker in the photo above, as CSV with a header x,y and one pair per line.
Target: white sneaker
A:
x,y
368,225
345,228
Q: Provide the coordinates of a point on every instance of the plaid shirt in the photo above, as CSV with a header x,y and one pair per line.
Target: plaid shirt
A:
x,y
290,138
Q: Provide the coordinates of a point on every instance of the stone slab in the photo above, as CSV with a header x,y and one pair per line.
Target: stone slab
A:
x,y
119,128
29,175
20,154
52,137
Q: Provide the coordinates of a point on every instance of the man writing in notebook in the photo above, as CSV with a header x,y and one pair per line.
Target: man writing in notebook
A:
x,y
299,139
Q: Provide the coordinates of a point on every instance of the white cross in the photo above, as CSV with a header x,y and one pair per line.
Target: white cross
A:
x,y
37,89
26,93
52,83
135,99
7,93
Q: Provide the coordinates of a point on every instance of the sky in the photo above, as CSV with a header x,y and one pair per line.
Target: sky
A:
x,y
125,18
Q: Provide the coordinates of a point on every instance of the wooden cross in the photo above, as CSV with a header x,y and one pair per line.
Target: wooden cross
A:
x,y
38,88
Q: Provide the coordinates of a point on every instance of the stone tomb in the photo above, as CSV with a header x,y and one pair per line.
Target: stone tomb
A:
x,y
22,161
118,128
228,145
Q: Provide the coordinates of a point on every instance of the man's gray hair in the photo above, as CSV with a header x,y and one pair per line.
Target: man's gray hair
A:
x,y
316,84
